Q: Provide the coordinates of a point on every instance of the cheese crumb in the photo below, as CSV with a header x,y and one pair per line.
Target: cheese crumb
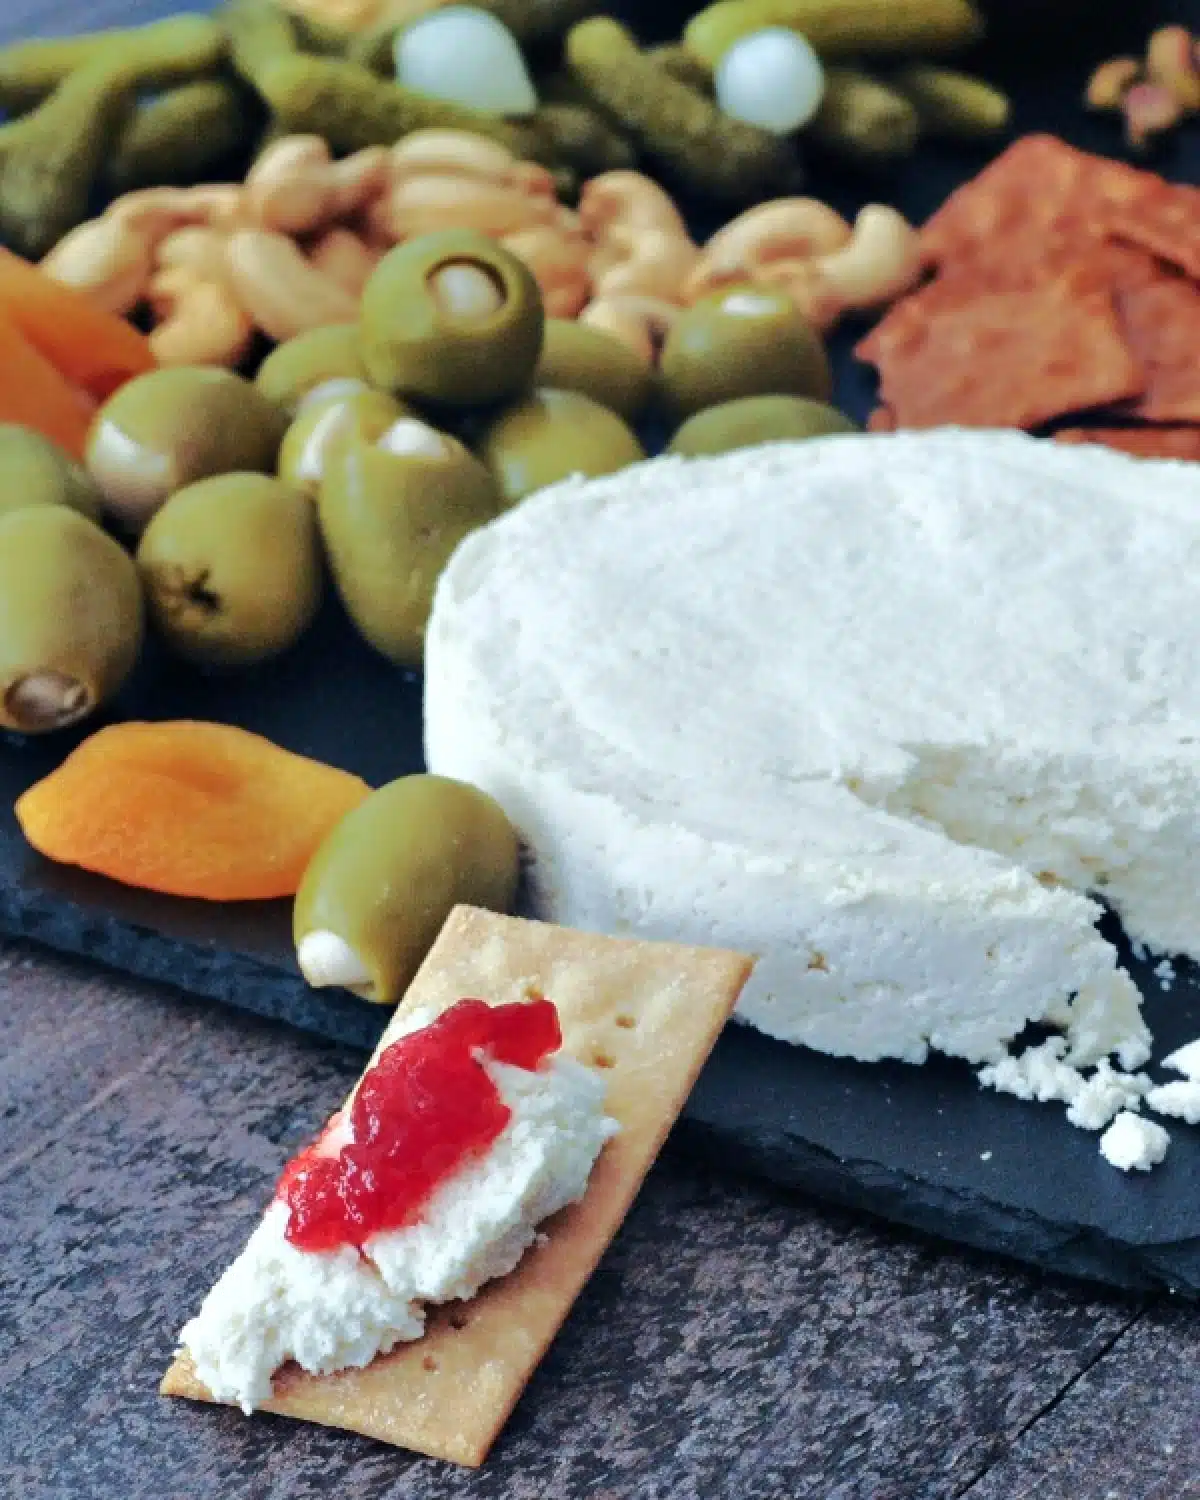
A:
x,y
1185,1060
1134,1144
1165,973
1105,1094
1041,1074
1179,1100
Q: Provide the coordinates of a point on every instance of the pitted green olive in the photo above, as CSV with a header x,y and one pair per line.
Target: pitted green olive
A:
x,y
311,359
745,341
232,569
391,514
70,618
381,886
451,319
578,358
754,420
35,471
552,435
171,427
329,414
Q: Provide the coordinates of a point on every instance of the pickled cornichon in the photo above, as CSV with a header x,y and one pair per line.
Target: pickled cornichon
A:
x,y
171,427
71,618
383,883
746,341
157,56
295,368
183,136
681,128
452,319
35,471
340,410
391,513
232,569
578,358
552,435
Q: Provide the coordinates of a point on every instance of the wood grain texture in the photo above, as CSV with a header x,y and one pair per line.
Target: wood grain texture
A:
x,y
735,1342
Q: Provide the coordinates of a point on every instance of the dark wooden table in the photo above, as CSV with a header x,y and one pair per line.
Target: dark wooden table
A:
x,y
736,1342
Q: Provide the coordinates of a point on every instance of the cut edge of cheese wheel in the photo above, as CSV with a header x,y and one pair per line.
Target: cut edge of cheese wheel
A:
x,y
648,1013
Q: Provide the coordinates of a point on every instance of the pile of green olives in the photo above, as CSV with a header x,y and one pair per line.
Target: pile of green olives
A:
x,y
220,508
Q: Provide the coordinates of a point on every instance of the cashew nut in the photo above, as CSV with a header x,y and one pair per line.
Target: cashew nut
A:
x,y
882,260
197,248
640,323
280,289
458,153
645,263
201,321
344,257
786,229
559,264
296,187
109,261
631,200
421,205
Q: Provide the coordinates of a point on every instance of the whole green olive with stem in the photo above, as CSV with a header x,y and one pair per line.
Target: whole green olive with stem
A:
x,y
379,889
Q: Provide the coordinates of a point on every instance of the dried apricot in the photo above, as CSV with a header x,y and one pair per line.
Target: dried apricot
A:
x,y
188,808
92,348
34,394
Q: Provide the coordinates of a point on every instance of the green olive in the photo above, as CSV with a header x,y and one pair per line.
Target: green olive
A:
x,y
232,569
550,436
578,358
328,414
391,514
754,420
171,427
381,886
746,341
288,374
452,319
70,618
35,471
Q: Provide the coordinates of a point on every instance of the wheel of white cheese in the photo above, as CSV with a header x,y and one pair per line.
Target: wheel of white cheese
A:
x,y
881,710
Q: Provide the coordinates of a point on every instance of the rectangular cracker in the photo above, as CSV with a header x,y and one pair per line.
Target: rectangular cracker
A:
x,y
450,1393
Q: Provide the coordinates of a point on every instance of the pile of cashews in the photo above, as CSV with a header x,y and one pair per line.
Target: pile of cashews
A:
x,y
292,247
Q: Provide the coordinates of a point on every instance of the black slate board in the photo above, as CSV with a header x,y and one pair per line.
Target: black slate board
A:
x,y
925,1147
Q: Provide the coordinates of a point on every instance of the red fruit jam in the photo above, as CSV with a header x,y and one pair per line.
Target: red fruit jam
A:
x,y
423,1111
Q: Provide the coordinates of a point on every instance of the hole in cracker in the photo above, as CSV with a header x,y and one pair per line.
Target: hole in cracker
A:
x,y
626,1023
603,1060
429,1363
